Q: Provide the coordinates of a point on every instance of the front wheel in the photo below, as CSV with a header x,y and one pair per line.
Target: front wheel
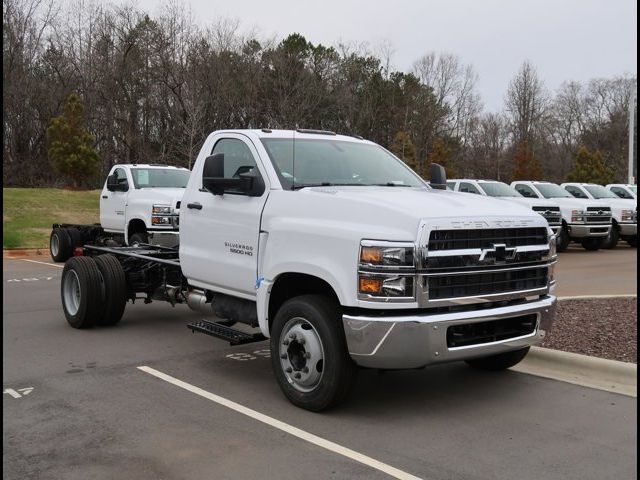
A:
x,y
592,243
138,238
309,353
633,241
502,361
563,240
611,240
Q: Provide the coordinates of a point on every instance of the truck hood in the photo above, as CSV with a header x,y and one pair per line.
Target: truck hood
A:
x,y
389,213
160,196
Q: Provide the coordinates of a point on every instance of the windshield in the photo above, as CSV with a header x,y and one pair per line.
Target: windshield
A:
x,y
498,189
336,162
634,189
160,178
551,190
598,191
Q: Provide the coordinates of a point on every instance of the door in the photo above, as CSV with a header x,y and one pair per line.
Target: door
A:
x,y
219,244
113,203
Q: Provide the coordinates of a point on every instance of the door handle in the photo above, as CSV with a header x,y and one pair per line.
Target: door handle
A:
x,y
197,206
105,196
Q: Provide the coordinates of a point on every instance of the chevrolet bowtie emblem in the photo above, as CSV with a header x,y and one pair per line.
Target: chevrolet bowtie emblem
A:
x,y
498,252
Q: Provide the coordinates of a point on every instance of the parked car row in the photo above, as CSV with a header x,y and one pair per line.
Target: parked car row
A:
x,y
589,214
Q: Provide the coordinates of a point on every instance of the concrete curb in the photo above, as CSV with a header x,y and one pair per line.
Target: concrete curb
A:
x,y
592,372
25,252
595,297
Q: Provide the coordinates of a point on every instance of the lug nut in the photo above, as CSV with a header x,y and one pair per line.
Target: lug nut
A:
x,y
288,370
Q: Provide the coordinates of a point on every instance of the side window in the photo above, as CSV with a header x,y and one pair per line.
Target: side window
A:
x,y
451,185
237,157
575,191
468,188
121,176
526,191
621,192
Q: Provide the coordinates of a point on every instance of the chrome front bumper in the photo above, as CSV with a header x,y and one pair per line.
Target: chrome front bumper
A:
x,y
582,230
628,229
414,341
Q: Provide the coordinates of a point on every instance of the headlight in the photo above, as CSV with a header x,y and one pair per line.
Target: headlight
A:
x,y
386,271
577,216
553,249
161,220
627,216
386,255
387,286
161,209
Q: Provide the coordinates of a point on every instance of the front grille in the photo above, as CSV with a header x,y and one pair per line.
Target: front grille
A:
x,y
490,331
551,214
486,238
486,283
598,215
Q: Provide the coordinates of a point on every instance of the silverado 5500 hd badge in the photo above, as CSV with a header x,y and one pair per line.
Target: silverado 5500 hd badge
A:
x,y
239,248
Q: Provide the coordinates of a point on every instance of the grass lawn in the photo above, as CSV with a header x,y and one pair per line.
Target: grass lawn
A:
x,y
28,213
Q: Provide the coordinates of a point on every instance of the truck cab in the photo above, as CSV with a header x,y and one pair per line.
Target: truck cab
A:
x,y
492,188
142,202
585,221
624,211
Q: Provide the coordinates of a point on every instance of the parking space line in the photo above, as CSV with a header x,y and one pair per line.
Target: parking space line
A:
x,y
43,263
285,427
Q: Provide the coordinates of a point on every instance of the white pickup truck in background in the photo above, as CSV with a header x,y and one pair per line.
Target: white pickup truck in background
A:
x,y
338,252
624,212
493,188
585,221
139,203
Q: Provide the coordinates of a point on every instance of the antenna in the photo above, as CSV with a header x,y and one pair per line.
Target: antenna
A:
x,y
293,161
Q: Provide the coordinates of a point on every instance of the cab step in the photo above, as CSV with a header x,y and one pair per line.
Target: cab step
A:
x,y
233,336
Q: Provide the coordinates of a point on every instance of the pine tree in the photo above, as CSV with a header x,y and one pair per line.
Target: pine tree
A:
x,y
71,145
588,167
527,165
403,148
441,154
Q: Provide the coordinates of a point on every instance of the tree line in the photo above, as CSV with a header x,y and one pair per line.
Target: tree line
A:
x,y
151,88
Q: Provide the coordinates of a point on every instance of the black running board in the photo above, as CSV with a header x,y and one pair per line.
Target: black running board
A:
x,y
233,336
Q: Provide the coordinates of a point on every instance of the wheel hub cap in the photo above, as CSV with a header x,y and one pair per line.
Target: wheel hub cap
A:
x,y
301,354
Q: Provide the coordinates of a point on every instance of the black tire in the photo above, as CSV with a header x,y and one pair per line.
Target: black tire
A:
x,y
76,238
592,243
498,362
611,240
338,371
82,306
563,240
60,245
114,289
140,237
633,241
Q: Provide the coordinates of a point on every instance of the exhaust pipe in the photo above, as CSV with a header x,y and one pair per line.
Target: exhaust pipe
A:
x,y
197,301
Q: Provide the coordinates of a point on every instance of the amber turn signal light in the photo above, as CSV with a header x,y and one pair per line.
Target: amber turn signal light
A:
x,y
370,285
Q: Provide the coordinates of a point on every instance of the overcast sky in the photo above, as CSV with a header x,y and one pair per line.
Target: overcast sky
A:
x,y
565,39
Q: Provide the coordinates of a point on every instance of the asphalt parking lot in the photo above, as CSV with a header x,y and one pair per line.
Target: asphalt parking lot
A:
x,y
76,405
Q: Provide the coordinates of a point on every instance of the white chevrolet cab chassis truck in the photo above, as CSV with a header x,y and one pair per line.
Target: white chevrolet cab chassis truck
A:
x,y
342,256
139,203
587,222
624,212
492,188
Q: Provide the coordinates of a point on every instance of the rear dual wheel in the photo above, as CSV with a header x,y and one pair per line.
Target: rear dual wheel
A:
x,y
62,242
93,291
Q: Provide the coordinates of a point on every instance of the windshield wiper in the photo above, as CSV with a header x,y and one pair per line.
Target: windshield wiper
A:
x,y
390,184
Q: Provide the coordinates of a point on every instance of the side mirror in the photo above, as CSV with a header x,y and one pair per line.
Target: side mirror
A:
x,y
112,183
438,177
214,182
